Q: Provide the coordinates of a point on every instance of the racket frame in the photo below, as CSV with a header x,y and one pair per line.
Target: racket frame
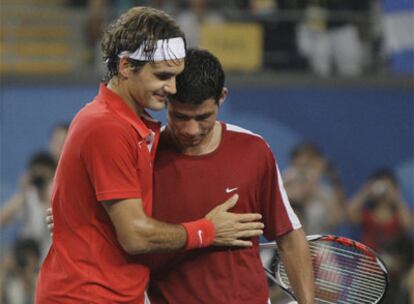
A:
x,y
274,276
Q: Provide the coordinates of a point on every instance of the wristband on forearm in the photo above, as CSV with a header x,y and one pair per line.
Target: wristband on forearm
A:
x,y
200,233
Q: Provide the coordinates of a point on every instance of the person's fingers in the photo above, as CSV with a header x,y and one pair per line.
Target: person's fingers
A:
x,y
49,219
241,243
250,226
249,233
49,211
247,217
230,203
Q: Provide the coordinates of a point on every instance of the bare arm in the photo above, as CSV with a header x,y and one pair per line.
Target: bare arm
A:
x,y
354,206
137,233
294,252
10,208
403,212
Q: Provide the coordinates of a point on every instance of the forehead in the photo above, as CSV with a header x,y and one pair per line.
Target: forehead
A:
x,y
207,105
170,66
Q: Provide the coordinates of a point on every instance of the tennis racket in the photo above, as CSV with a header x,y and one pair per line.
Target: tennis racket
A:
x,y
346,272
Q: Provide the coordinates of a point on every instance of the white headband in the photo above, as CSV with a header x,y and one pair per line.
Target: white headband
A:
x,y
167,49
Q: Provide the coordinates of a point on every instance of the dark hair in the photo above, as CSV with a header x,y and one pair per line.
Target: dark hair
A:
x,y
64,125
23,248
386,173
203,77
306,148
137,26
44,159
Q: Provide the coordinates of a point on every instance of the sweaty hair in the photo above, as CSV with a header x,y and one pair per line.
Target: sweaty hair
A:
x,y
137,26
202,78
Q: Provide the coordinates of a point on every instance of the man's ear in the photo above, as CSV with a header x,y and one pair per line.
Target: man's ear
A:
x,y
123,67
223,96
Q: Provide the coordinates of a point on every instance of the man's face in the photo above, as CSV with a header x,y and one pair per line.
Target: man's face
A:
x,y
191,125
151,85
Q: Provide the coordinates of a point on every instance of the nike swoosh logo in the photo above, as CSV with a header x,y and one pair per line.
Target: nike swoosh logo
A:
x,y
200,237
229,190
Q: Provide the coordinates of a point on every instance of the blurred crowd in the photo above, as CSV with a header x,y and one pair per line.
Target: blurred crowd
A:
x,y
20,263
376,215
328,37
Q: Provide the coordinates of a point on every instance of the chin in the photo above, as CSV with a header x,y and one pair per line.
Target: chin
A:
x,y
157,106
186,143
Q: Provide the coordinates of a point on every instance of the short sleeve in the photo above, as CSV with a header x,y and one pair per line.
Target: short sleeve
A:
x,y
278,215
110,156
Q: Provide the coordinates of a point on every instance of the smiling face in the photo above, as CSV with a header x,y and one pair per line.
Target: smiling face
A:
x,y
192,126
149,87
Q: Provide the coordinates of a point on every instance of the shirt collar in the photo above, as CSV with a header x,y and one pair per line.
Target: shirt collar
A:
x,y
118,105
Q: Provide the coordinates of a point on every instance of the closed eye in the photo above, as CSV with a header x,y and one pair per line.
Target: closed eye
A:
x,y
203,116
164,76
181,116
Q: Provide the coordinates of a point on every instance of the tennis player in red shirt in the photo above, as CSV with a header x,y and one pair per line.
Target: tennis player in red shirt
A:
x,y
199,162
102,193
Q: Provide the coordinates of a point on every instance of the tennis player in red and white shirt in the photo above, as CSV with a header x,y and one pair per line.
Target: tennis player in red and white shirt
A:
x,y
201,161
102,193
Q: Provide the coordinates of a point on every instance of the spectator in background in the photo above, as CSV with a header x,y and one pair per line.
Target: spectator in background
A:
x,y
314,190
406,292
385,222
31,201
331,41
262,7
193,16
57,139
19,272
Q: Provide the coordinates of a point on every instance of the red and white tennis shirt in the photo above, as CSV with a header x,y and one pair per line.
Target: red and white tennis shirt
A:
x,y
188,187
106,157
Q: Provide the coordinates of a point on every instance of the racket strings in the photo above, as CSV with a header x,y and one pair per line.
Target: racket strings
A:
x,y
354,271
368,260
343,274
346,264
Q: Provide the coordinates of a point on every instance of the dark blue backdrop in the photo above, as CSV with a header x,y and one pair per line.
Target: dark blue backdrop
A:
x,y
360,129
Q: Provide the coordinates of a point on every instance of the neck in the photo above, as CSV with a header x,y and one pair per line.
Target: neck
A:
x,y
116,86
209,144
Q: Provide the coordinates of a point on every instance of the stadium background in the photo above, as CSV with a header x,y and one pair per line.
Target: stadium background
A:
x,y
362,123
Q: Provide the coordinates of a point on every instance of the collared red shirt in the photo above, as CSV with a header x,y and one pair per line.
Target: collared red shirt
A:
x,y
195,184
106,156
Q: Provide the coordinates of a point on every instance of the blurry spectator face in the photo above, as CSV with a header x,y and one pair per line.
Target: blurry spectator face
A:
x,y
41,175
57,139
384,190
309,162
26,254
41,170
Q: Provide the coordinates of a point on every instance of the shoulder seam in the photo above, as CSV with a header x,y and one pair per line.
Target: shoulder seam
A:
x,y
234,128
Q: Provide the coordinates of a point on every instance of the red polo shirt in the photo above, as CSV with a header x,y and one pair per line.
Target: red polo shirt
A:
x,y
107,156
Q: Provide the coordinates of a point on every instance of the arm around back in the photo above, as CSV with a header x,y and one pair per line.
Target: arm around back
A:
x,y
137,233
